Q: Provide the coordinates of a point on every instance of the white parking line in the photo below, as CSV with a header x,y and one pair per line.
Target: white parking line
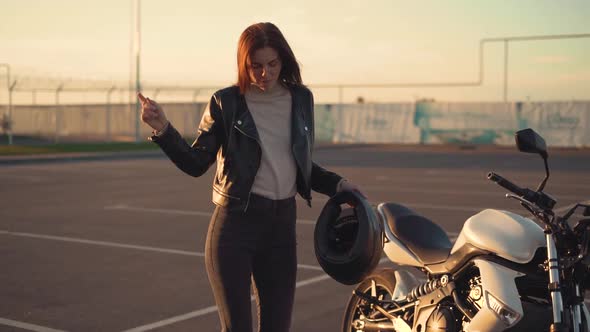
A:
x,y
299,221
312,280
428,206
103,243
164,211
26,326
211,309
174,319
494,193
451,179
309,267
180,212
125,246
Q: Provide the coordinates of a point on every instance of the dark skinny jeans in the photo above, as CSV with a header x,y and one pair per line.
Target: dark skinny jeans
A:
x,y
259,244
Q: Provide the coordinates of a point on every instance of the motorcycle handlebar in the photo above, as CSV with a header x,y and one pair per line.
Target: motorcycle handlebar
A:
x,y
506,184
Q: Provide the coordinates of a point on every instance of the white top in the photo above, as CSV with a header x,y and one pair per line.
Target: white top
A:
x,y
271,111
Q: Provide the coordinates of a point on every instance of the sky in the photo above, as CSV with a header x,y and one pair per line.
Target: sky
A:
x,y
193,43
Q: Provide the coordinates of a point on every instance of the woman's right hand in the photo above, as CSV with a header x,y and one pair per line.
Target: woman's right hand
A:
x,y
152,113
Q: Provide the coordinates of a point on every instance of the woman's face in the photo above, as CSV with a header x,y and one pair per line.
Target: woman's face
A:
x,y
264,68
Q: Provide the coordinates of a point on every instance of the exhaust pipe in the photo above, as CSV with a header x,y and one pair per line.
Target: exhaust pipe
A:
x,y
361,325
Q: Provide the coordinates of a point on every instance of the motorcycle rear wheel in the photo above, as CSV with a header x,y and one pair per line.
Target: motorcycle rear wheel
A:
x,y
384,284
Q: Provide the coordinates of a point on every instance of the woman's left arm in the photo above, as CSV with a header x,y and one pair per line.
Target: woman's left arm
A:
x,y
324,181
329,183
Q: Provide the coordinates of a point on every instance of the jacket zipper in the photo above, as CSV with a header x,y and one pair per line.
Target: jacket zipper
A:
x,y
302,116
257,142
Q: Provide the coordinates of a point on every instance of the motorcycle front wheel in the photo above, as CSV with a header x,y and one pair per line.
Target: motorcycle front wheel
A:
x,y
357,308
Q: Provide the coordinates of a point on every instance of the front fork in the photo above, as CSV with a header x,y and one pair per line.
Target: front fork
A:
x,y
555,289
554,283
578,311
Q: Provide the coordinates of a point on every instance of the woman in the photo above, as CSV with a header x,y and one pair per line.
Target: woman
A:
x,y
260,132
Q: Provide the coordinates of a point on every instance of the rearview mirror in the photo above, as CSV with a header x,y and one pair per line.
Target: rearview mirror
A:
x,y
527,140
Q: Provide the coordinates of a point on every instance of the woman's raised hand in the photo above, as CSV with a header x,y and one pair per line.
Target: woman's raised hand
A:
x,y
152,113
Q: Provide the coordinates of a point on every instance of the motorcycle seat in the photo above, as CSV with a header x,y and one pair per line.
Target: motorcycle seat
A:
x,y
425,239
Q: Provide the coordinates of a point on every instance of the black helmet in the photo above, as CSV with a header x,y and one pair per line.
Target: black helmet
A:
x,y
348,242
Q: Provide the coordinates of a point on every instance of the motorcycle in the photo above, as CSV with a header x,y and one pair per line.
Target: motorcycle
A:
x,y
504,272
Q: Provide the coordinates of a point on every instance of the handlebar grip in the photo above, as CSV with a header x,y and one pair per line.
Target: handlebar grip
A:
x,y
506,184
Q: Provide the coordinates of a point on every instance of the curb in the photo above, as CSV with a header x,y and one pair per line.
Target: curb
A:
x,y
100,156
78,157
159,154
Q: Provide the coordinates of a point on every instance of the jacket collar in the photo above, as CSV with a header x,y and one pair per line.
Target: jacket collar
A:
x,y
297,107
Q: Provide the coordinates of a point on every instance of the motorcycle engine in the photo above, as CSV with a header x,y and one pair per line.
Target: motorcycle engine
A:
x,y
442,319
447,318
475,297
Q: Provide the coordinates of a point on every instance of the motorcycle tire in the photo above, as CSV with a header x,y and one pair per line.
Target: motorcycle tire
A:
x,y
384,284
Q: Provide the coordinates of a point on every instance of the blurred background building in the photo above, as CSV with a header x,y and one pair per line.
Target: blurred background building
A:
x,y
381,71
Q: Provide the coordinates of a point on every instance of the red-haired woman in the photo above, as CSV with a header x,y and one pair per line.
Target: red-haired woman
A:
x,y
261,133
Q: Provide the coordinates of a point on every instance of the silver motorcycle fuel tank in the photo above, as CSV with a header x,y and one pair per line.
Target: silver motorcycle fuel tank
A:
x,y
511,237
504,233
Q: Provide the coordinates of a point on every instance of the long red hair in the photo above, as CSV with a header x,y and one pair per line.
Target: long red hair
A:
x,y
262,35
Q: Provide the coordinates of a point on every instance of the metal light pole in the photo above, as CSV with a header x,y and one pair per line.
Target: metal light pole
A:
x,y
9,90
137,66
10,121
57,113
108,113
505,71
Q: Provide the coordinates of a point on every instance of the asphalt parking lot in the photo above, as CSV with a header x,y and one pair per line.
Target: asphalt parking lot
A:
x,y
117,245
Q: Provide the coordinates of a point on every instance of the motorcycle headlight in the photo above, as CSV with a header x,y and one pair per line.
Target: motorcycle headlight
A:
x,y
507,315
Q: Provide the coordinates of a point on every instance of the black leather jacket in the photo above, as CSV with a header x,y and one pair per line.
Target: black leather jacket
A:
x,y
227,134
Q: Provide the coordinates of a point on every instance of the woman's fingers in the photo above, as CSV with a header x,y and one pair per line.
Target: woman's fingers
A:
x,y
151,112
142,98
146,101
